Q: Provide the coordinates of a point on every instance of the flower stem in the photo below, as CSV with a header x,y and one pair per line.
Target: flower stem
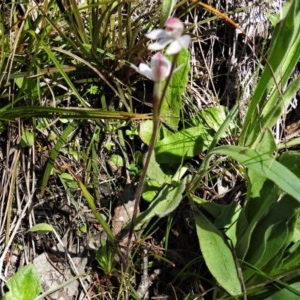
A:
x,y
158,97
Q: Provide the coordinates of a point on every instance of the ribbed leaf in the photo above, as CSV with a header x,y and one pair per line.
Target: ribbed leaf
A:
x,y
217,255
24,285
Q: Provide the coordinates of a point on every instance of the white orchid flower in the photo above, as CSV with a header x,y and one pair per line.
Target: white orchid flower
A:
x,y
171,36
160,68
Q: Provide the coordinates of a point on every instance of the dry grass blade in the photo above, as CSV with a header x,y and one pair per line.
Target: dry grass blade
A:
x,y
19,185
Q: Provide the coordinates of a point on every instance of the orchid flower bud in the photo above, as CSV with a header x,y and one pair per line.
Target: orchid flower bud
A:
x,y
161,67
159,70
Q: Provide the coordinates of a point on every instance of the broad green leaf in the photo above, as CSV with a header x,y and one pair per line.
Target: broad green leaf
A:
x,y
222,213
154,172
117,160
23,285
27,139
231,231
266,145
268,167
166,201
282,239
214,117
172,105
265,165
184,144
271,237
151,188
291,261
270,113
217,255
156,178
292,254
225,215
145,131
296,236
19,82
291,160
41,228
286,294
255,210
190,142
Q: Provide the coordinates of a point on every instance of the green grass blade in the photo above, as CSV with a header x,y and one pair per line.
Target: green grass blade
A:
x,y
276,282
291,293
85,62
274,109
283,56
62,72
91,203
9,113
265,165
77,21
54,153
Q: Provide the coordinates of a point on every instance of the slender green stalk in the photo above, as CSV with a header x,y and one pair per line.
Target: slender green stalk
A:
x,y
158,97
92,206
11,194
